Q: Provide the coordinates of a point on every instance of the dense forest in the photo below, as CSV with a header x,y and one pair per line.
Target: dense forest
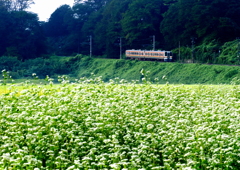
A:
x,y
203,31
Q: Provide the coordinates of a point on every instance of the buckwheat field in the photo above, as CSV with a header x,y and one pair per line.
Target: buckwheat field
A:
x,y
120,126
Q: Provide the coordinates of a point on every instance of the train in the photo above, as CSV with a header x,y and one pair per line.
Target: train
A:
x,y
165,56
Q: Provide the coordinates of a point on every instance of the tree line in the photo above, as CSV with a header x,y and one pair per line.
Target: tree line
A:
x,y
192,29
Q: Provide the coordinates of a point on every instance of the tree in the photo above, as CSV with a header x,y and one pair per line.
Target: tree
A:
x,y
203,20
87,15
57,30
177,24
21,33
25,38
108,30
16,5
4,28
56,25
94,4
142,20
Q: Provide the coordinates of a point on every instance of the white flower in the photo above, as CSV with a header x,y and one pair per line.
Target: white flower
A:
x,y
115,166
150,126
107,140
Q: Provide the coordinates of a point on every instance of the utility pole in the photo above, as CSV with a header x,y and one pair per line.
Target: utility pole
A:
x,y
153,42
179,51
90,46
238,53
120,45
193,41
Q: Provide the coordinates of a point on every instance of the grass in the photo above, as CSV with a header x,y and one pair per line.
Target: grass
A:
x,y
177,73
82,66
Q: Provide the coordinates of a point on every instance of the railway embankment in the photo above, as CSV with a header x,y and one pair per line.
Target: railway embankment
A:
x,y
82,66
161,72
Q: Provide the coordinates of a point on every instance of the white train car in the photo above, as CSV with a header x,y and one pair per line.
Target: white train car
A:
x,y
149,55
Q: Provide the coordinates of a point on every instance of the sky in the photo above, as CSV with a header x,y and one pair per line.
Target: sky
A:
x,y
44,8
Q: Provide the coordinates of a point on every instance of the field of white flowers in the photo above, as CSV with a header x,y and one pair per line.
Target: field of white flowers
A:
x,y
117,126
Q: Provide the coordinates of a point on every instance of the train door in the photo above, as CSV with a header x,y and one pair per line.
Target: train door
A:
x,y
168,56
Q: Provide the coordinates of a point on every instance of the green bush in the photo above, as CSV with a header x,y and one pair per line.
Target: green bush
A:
x,y
9,63
229,54
207,52
40,66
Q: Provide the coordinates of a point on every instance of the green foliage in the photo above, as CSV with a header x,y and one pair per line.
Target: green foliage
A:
x,y
211,52
53,66
9,63
6,77
82,66
68,30
21,35
115,125
16,5
175,72
235,81
207,52
200,19
58,33
142,20
229,54
108,31
106,21
4,29
185,54
56,26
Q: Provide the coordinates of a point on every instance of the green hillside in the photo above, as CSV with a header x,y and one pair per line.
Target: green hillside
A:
x,y
174,72
83,66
